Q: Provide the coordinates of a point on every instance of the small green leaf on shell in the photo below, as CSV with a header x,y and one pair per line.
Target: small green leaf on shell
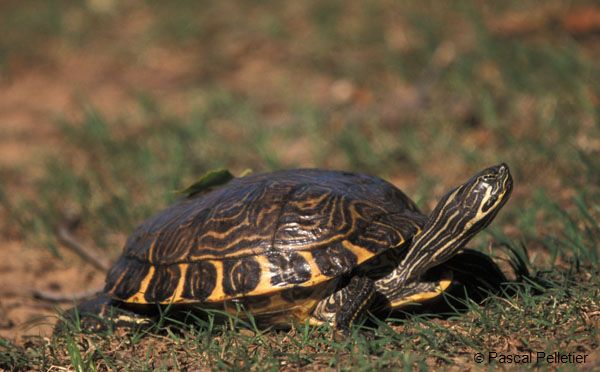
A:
x,y
245,172
209,180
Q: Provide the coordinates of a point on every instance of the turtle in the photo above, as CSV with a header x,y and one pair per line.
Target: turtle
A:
x,y
300,245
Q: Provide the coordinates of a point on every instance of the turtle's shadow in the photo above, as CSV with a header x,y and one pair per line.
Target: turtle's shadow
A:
x,y
477,279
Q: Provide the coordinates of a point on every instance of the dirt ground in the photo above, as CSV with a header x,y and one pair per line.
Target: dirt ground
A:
x,y
27,134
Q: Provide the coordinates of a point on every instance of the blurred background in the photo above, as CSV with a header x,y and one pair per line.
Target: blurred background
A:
x,y
107,107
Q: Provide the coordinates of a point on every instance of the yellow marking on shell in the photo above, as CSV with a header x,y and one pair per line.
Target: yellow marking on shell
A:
x,y
117,282
354,217
217,294
177,295
334,205
362,254
237,254
443,285
259,251
265,213
315,273
225,234
309,203
264,282
138,297
233,217
151,250
264,285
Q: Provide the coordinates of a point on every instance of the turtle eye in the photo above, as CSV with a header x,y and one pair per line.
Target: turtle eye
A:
x,y
488,177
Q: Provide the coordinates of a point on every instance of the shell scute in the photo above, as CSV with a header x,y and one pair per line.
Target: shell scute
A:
x,y
334,260
200,280
162,284
288,269
240,276
124,279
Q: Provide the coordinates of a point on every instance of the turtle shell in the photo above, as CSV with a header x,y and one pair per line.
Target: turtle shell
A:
x,y
261,234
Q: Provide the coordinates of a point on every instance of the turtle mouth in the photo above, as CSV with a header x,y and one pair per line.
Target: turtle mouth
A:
x,y
507,181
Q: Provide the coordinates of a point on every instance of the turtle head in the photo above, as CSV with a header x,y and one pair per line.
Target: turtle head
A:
x,y
473,205
459,215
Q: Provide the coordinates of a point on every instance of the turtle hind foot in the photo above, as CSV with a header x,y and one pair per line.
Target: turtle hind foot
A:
x,y
100,314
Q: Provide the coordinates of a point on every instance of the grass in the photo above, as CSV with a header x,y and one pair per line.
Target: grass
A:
x,y
430,95
536,318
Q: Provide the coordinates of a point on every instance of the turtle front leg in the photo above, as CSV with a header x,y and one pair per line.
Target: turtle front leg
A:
x,y
343,307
